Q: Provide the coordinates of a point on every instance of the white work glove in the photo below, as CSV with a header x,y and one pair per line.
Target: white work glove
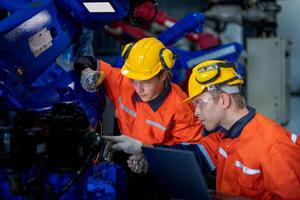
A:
x,y
124,143
91,79
138,163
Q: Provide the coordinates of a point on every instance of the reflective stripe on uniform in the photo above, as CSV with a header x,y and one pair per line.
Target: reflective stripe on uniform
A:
x,y
246,170
126,109
148,121
222,152
185,143
294,138
207,157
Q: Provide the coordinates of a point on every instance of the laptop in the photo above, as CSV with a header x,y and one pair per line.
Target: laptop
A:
x,y
177,173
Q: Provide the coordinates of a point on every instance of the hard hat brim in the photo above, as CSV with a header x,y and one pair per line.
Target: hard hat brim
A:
x,y
189,99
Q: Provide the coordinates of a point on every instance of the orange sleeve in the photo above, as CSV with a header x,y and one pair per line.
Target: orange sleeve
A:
x,y
112,81
186,128
211,144
184,125
281,169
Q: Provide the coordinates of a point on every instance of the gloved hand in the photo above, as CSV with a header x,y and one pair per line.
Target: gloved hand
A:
x,y
91,79
124,143
138,163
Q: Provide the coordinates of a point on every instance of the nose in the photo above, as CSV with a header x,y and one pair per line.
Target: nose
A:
x,y
197,111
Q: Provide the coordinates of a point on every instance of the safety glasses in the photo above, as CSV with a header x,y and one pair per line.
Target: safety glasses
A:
x,y
210,73
201,102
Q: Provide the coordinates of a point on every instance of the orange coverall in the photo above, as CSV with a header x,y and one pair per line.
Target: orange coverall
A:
x,y
165,120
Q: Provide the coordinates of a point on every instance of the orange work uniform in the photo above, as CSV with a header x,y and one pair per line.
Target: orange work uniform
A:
x,y
257,158
164,120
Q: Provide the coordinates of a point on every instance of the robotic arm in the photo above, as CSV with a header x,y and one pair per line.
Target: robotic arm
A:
x,y
33,35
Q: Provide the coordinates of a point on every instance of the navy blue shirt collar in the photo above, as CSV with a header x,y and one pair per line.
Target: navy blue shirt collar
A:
x,y
237,127
156,103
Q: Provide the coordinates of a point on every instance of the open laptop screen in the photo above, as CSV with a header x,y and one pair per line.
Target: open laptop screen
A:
x,y
177,172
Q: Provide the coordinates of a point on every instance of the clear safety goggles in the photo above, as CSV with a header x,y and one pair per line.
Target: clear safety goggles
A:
x,y
210,73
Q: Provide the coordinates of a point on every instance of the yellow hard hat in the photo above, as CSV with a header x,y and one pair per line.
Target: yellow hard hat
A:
x,y
212,73
146,58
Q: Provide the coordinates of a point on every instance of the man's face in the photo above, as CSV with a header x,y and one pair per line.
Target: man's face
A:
x,y
148,89
208,111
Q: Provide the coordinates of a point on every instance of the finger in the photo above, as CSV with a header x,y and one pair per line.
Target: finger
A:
x,y
107,150
129,161
109,157
140,156
112,138
108,138
132,168
133,157
130,165
137,169
135,162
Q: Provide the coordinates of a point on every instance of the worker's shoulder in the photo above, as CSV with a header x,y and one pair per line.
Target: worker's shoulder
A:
x,y
176,98
105,66
266,124
265,129
177,93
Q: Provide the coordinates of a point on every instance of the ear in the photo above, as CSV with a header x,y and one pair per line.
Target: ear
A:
x,y
163,76
225,100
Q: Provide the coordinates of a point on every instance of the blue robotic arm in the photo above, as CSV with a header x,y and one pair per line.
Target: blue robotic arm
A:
x,y
33,36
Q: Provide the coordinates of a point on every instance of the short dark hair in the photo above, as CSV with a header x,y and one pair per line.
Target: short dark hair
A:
x,y
168,73
83,62
238,98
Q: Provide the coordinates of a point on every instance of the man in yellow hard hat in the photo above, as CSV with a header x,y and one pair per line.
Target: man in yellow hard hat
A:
x,y
253,156
148,106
